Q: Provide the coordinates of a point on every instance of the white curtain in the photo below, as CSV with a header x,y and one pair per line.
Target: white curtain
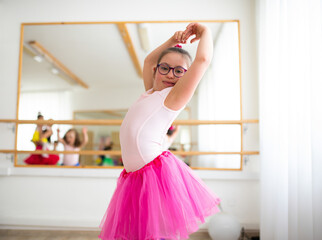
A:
x,y
290,88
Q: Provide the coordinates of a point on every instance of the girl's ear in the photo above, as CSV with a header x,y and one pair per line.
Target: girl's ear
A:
x,y
154,71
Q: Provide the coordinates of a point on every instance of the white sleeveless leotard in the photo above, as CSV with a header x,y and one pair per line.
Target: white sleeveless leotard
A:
x,y
71,159
144,129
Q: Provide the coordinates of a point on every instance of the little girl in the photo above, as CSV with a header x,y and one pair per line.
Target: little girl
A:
x,y
41,139
72,142
157,195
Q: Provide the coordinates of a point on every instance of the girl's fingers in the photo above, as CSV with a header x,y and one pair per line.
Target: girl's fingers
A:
x,y
191,25
183,36
196,38
187,35
179,36
176,36
193,40
191,29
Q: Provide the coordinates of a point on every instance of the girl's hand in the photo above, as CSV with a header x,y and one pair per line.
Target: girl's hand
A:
x,y
193,29
179,37
85,137
58,130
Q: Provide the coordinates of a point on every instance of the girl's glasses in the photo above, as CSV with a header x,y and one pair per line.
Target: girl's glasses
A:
x,y
164,69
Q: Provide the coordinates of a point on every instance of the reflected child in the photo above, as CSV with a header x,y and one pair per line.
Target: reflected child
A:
x,y
41,139
72,142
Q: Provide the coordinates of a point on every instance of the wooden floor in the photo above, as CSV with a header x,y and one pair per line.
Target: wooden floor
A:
x,y
68,235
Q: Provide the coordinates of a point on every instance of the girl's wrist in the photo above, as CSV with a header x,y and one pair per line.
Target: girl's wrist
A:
x,y
173,41
204,29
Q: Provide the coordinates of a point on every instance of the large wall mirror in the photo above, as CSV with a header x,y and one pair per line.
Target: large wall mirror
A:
x,y
88,71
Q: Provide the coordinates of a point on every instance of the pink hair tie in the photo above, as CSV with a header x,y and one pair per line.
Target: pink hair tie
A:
x,y
171,128
178,46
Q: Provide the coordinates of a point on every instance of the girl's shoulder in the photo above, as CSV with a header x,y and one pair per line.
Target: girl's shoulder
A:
x,y
69,147
162,92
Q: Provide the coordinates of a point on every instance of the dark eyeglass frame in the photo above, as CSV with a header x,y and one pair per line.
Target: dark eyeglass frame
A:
x,y
171,68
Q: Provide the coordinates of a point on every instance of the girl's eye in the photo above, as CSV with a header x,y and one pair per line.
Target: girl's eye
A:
x,y
179,70
164,68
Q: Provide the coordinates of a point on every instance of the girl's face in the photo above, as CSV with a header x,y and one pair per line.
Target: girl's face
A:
x,y
173,59
40,125
70,137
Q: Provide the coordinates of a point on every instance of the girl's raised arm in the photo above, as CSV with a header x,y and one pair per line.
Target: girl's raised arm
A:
x,y
46,134
151,60
85,138
186,86
61,140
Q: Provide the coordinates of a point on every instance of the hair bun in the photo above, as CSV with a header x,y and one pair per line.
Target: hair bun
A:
x,y
178,46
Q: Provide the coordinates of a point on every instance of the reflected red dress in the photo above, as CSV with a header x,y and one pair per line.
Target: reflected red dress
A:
x,y
41,159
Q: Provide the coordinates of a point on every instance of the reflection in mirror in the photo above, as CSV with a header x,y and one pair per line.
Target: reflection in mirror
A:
x,y
225,138
82,68
98,138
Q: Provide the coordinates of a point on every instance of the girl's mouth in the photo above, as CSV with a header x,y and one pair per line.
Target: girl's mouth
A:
x,y
169,84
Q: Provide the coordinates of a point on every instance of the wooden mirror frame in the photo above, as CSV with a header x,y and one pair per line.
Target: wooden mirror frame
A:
x,y
17,122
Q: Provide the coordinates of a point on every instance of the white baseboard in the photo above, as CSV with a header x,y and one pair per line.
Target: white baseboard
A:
x,y
115,173
49,228
49,224
203,228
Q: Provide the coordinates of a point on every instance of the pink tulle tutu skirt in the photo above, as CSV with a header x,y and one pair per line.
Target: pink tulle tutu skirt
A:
x,y
162,200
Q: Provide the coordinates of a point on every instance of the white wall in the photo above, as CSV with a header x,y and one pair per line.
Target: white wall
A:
x,y
77,197
105,98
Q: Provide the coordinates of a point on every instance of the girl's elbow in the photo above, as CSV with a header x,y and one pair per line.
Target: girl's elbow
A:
x,y
204,60
147,60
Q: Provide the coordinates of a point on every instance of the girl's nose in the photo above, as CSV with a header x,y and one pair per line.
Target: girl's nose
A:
x,y
170,74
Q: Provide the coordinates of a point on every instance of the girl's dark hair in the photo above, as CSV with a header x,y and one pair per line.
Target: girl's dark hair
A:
x,y
49,138
175,50
170,132
39,115
77,138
